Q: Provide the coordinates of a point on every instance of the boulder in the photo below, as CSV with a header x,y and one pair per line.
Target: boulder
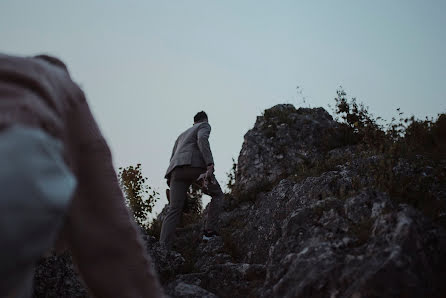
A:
x,y
55,276
282,140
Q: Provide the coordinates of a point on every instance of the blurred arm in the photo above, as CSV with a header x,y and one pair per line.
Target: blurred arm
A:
x,y
103,238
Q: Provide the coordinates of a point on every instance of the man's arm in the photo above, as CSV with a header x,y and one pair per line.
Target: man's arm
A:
x,y
103,238
203,143
174,149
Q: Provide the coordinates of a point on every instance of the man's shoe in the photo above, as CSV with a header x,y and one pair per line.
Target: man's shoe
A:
x,y
209,234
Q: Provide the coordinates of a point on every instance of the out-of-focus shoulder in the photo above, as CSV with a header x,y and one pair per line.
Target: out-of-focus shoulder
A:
x,y
59,71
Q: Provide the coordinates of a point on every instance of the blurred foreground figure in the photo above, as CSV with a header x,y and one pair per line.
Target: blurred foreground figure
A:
x,y
57,182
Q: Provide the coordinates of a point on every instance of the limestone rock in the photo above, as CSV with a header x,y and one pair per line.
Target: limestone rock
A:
x,y
167,263
304,220
184,290
282,140
55,276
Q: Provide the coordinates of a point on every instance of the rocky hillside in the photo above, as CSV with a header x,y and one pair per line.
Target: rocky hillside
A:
x,y
305,218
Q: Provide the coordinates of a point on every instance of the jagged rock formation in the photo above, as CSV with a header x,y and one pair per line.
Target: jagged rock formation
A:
x,y
282,141
304,220
55,276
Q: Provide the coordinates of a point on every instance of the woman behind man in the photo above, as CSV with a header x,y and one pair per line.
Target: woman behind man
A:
x,y
58,185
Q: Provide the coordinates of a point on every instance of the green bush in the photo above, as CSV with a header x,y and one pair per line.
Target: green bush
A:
x,y
193,206
138,195
357,124
418,144
154,228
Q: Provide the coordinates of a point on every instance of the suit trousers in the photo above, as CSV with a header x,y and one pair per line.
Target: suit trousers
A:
x,y
181,180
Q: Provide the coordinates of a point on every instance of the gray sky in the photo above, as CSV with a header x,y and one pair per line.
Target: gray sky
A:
x,y
148,66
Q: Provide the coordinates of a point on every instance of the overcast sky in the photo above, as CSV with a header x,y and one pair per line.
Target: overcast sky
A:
x,y
148,66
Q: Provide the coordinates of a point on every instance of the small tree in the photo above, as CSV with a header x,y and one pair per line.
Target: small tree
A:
x,y
357,119
138,195
193,203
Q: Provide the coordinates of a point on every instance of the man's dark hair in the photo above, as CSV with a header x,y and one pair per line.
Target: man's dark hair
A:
x,y
200,116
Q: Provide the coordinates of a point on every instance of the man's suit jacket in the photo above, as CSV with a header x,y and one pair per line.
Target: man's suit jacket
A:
x,y
192,148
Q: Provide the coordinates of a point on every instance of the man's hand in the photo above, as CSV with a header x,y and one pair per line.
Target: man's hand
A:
x,y
210,170
204,178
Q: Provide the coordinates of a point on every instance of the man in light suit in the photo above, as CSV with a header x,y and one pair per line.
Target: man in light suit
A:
x,y
191,157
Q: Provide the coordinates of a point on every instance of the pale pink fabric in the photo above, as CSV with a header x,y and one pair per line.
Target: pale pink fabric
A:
x,y
99,231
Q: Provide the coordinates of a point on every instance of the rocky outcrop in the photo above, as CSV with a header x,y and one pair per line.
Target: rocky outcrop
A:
x,y
325,235
167,263
282,141
305,220
56,276
181,289
362,246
